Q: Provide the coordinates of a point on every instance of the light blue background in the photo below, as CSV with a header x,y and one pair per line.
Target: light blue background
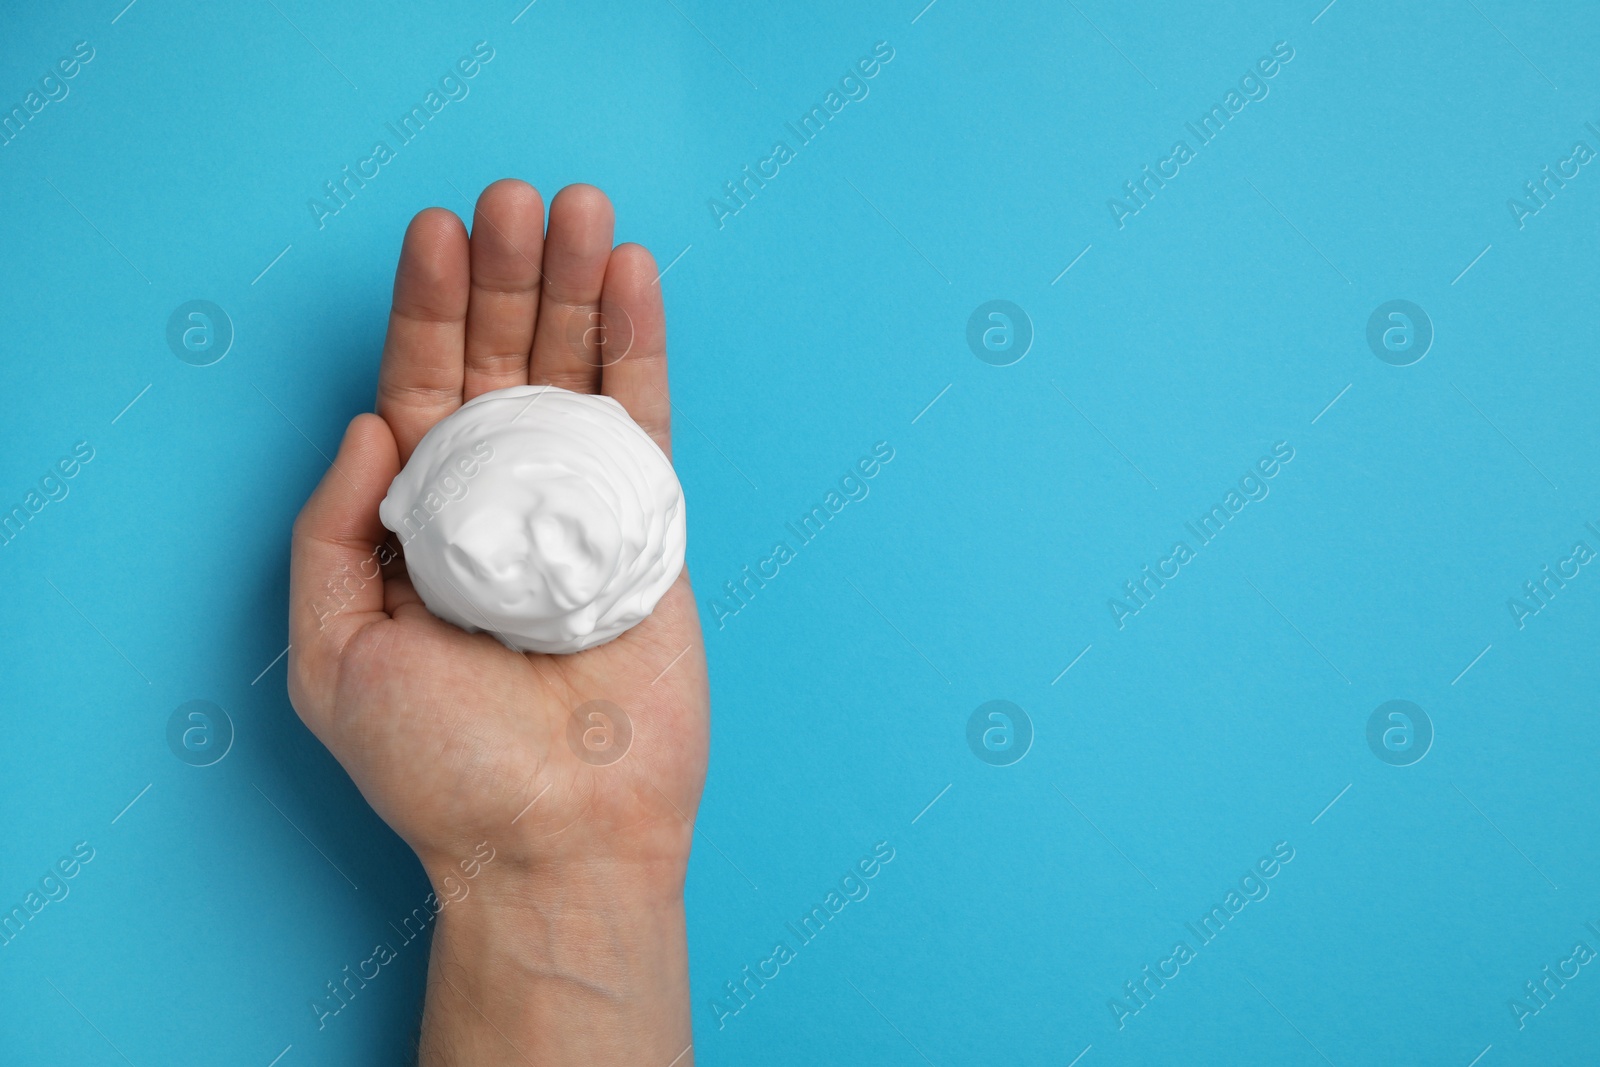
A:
x,y
822,318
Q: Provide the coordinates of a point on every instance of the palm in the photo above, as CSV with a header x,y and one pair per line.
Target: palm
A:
x,y
453,738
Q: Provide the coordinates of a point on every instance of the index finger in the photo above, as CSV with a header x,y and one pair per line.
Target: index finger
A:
x,y
424,354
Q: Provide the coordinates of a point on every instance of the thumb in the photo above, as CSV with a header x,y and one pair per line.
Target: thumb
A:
x,y
337,554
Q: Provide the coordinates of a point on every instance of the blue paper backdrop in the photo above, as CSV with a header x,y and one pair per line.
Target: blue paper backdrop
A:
x,y
1173,350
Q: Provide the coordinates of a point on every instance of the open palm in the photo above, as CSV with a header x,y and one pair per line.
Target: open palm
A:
x,y
453,738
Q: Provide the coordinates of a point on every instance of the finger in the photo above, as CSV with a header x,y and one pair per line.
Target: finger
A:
x,y
419,382
631,309
576,248
507,247
398,592
338,550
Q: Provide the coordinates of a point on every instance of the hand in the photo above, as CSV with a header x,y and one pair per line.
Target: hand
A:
x,y
456,740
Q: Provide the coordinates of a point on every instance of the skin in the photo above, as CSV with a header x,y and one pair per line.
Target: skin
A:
x,y
567,946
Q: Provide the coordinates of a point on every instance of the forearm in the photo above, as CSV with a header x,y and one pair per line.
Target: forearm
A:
x,y
587,967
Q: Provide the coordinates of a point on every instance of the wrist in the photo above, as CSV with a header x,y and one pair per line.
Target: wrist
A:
x,y
507,888
597,942
643,863
585,921
593,940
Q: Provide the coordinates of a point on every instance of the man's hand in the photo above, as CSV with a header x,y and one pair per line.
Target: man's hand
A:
x,y
570,945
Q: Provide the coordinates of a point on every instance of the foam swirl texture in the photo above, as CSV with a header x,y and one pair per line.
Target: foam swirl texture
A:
x,y
545,517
